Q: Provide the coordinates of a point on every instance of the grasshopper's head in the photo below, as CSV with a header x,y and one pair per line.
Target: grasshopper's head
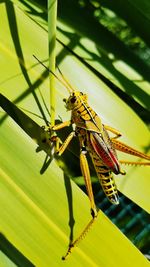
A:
x,y
75,99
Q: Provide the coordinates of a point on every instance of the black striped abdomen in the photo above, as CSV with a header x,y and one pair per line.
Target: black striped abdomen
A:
x,y
109,187
106,179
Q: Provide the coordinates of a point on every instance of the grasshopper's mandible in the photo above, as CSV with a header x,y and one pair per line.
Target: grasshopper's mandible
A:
x,y
94,139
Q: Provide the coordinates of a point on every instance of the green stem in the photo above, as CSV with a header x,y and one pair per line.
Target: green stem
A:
x,y
52,18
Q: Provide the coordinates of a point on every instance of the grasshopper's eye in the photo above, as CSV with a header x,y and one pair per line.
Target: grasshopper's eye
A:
x,y
73,99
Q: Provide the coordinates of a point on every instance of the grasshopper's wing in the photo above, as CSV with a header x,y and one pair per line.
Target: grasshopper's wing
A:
x,y
103,146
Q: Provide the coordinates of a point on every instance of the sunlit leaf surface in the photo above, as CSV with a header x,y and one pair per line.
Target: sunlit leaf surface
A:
x,y
41,209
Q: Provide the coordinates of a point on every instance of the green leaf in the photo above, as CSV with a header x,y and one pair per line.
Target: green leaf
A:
x,y
131,10
41,209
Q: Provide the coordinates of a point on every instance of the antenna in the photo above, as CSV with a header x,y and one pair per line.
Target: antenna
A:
x,y
63,80
63,77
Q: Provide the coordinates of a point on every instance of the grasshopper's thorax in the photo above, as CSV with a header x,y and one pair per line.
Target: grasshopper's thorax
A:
x,y
82,113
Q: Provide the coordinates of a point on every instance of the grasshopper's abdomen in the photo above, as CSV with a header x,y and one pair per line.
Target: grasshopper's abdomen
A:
x,y
106,179
109,187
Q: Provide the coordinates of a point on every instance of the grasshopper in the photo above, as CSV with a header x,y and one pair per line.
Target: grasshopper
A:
x,y
95,140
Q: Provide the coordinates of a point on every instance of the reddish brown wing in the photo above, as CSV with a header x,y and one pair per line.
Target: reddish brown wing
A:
x,y
104,148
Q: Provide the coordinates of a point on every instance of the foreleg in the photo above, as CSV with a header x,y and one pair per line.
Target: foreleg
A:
x,y
62,148
55,139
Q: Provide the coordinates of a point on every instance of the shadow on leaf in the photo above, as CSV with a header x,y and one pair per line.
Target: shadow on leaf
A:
x,y
13,253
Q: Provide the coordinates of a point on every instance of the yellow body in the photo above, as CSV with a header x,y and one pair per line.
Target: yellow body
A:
x,y
88,123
